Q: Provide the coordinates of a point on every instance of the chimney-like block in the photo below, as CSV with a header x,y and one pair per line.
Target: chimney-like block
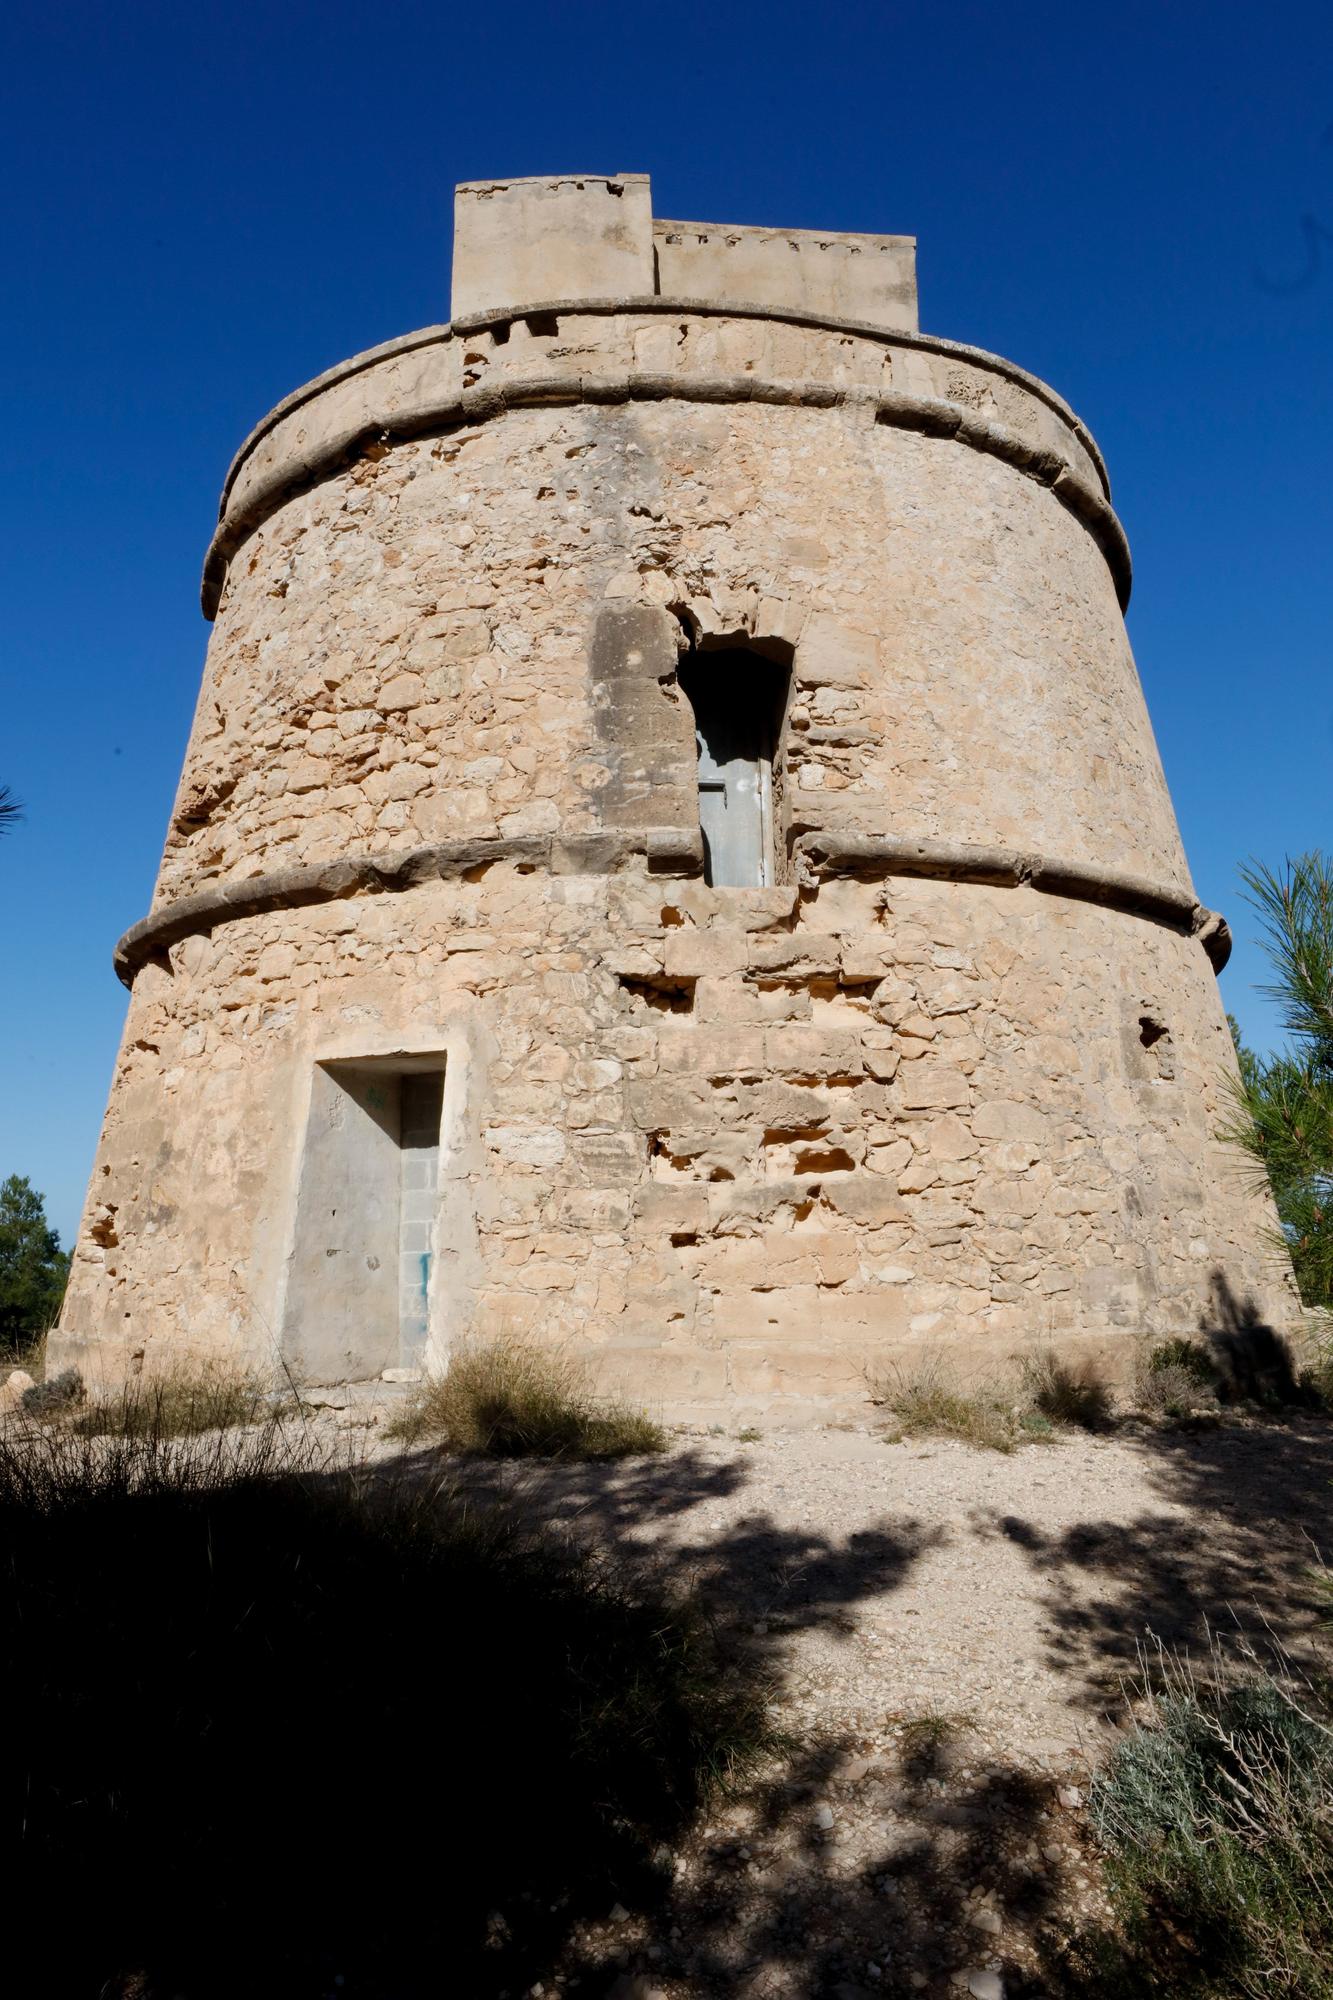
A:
x,y
557,236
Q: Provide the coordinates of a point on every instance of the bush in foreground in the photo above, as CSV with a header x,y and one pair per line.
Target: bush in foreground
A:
x,y
289,1728
508,1400
1217,1817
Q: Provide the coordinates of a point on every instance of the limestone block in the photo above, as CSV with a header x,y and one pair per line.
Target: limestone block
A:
x,y
608,1160
814,1052
715,1052
870,1201
697,954
802,953
783,1107
930,1085
673,1104
663,1209
832,654
1004,1119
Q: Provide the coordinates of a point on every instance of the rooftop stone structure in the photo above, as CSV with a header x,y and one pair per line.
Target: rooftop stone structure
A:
x,y
671,857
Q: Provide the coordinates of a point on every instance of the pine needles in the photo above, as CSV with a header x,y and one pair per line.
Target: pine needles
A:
x,y
1283,1116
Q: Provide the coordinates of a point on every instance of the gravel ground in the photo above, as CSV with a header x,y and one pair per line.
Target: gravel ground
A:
x,y
948,1632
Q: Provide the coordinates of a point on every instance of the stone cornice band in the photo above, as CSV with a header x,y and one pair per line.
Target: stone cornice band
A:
x,y
482,322
665,851
305,467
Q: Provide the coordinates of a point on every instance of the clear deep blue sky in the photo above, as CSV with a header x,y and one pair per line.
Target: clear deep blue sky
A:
x,y
206,205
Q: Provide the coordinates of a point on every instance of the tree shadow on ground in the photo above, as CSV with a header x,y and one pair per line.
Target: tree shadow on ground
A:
x,y
308,1731
1247,1519
955,1849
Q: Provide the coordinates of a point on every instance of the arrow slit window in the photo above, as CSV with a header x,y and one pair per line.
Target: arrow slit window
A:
x,y
738,700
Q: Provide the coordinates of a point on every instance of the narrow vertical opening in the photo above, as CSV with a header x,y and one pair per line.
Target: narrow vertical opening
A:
x,y
739,700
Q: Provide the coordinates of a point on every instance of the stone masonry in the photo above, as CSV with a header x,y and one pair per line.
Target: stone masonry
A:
x,y
948,1073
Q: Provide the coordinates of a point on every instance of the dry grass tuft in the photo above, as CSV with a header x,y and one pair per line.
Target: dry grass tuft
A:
x,y
1176,1379
1048,1396
930,1403
179,1402
506,1399
1067,1394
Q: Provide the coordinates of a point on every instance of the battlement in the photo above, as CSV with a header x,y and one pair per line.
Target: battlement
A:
x,y
594,236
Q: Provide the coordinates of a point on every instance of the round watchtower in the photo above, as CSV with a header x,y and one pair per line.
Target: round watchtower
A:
x,y
671,856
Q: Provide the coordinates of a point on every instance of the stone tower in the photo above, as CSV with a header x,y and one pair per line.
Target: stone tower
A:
x,y
671,857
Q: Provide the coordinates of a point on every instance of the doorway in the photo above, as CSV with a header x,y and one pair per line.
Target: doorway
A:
x,y
359,1281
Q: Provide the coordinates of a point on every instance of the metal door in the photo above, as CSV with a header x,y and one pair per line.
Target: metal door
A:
x,y
734,803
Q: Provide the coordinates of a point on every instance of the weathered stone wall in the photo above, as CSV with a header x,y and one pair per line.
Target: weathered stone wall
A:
x,y
403,653
736,1144
954,1081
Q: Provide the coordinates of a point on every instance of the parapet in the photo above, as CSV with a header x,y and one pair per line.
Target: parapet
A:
x,y
825,272
593,236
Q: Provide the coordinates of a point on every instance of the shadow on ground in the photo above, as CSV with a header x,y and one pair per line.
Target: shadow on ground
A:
x,y
1257,1500
306,1732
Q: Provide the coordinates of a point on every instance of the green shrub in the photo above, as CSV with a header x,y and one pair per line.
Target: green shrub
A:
x,y
1217,1817
506,1399
1190,1356
1177,1378
55,1396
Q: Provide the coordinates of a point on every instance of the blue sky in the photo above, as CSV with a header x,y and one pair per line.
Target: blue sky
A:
x,y
204,206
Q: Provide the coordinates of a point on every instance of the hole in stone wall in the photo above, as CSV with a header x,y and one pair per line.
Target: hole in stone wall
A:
x,y
822,1160
542,323
500,334
801,1150
664,996
1156,1038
